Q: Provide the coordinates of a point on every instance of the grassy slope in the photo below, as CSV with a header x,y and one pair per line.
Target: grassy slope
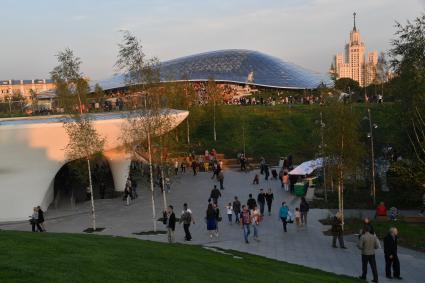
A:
x,y
44,257
280,130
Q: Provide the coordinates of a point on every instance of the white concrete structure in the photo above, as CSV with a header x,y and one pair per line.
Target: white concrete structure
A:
x,y
32,152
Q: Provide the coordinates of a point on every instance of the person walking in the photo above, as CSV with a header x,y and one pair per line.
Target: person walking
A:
x,y
220,178
283,214
171,224
229,210
194,165
187,218
391,257
304,208
261,199
262,164
215,194
269,201
286,181
251,203
176,167
34,221
368,243
337,231
211,220
41,218
266,171
236,209
256,219
246,223
183,166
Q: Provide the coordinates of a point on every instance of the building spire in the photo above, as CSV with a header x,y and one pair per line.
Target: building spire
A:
x,y
354,16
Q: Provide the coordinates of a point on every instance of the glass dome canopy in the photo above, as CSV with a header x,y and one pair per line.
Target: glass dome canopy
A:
x,y
235,66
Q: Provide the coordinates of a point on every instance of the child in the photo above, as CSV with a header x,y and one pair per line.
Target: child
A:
x,y
168,184
297,216
229,208
256,180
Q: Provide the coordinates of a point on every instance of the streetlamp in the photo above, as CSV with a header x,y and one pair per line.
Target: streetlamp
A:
x,y
370,135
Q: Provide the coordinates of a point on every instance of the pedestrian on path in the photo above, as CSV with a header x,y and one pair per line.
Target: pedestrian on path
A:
x,y
246,222
391,257
41,218
368,243
211,220
251,203
256,180
171,224
261,198
229,210
269,200
297,217
187,218
218,218
236,209
215,194
220,178
266,172
283,214
304,208
286,181
194,165
256,219
337,231
176,167
34,221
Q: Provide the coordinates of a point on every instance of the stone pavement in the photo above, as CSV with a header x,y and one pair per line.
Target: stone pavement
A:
x,y
305,245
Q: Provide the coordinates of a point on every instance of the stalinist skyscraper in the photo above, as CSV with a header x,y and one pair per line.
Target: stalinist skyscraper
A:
x,y
353,63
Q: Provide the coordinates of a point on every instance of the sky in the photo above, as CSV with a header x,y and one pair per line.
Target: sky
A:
x,y
305,32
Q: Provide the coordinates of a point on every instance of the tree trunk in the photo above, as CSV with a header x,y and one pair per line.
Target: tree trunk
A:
x,y
188,130
163,189
215,133
93,214
151,177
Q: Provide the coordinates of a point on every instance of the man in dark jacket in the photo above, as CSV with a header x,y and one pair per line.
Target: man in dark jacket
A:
x,y
304,208
171,223
390,251
261,198
251,203
215,194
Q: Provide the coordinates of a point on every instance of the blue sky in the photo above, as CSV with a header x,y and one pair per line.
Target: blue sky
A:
x,y
306,32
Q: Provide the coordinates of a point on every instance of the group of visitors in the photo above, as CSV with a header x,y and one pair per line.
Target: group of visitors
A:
x,y
37,220
186,218
368,242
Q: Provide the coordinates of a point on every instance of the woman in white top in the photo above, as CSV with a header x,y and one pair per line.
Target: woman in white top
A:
x,y
229,209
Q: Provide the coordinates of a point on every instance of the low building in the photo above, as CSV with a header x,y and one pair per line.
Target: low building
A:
x,y
24,87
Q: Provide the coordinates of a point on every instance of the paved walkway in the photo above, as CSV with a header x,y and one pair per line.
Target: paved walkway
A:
x,y
305,246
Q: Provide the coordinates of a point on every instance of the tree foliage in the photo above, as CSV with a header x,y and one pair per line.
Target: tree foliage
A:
x,y
347,85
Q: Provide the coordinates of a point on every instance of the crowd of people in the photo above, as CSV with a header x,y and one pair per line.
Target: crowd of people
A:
x,y
251,214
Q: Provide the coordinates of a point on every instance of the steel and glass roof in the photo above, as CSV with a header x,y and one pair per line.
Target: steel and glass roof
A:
x,y
236,66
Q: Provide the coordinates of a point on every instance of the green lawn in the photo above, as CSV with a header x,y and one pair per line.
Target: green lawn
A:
x,y
273,131
45,257
410,235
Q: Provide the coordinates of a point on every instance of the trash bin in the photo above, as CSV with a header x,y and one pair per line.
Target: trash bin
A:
x,y
299,189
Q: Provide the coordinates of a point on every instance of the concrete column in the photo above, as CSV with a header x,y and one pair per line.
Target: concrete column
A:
x,y
119,163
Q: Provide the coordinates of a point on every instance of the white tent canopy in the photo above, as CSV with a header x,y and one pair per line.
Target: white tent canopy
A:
x,y
306,168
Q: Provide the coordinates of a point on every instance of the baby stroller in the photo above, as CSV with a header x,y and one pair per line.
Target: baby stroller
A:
x,y
274,174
